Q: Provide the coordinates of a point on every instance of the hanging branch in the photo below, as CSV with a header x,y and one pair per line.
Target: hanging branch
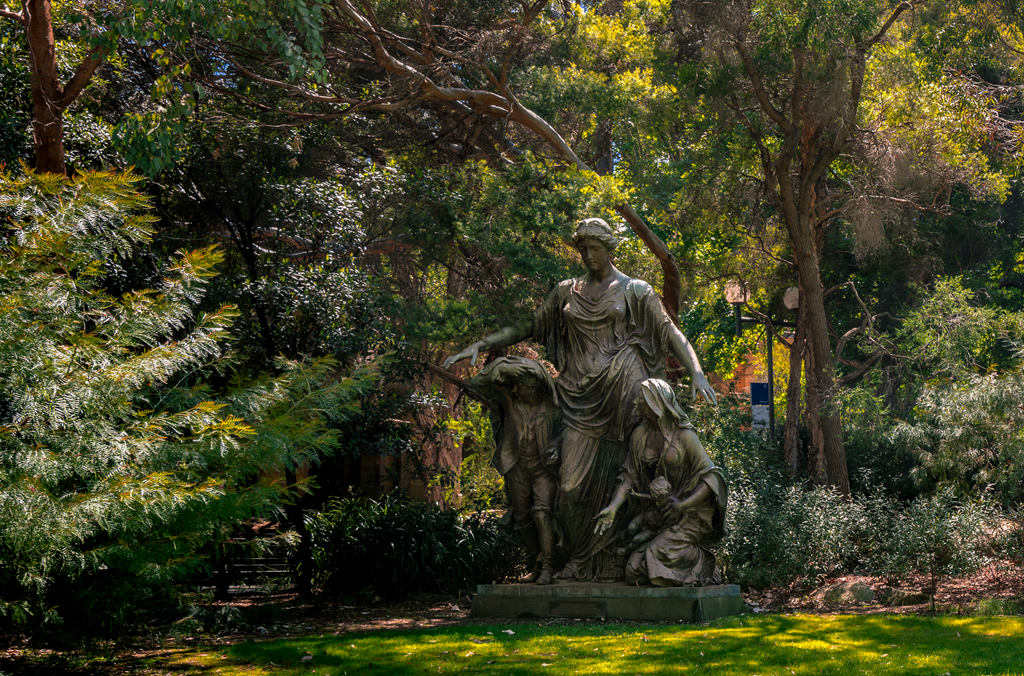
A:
x,y
499,104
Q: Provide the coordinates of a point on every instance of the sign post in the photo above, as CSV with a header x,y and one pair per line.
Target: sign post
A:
x,y
760,396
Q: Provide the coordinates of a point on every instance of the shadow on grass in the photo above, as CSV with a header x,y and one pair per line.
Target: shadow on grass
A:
x,y
788,644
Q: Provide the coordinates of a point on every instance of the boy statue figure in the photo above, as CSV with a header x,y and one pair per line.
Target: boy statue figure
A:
x,y
526,422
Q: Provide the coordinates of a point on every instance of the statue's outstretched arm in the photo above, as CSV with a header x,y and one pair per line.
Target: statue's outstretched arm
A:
x,y
684,352
503,337
606,517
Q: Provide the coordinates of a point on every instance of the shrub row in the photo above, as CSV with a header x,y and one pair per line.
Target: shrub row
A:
x,y
776,535
782,535
395,546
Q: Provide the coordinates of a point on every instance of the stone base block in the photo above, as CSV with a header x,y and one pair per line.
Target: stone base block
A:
x,y
608,601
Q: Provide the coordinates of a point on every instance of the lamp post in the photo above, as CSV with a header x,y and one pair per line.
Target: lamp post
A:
x,y
791,298
737,294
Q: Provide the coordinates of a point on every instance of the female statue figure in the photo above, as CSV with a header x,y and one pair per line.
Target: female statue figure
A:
x,y
685,494
605,333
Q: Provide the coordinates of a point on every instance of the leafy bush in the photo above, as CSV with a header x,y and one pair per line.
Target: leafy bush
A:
x,y
86,465
875,460
775,533
937,536
480,485
117,470
746,455
395,546
778,534
969,435
1010,529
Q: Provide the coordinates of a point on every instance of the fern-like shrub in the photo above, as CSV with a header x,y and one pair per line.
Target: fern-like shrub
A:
x,y
395,546
117,469
779,535
968,434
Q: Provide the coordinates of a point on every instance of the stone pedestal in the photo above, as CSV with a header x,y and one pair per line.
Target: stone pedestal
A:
x,y
608,601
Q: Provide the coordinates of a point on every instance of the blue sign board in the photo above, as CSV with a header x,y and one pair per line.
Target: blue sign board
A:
x,y
759,394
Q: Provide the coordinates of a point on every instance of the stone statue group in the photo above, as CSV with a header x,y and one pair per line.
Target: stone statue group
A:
x,y
605,476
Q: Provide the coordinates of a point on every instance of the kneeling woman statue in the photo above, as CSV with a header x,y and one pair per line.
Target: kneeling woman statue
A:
x,y
684,495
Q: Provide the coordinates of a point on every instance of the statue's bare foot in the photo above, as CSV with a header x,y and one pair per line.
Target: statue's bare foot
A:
x,y
545,576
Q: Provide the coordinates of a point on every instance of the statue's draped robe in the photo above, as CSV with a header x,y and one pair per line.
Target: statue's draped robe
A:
x,y
603,349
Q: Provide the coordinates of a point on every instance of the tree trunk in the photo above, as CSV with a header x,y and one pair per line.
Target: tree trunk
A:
x,y
303,563
823,418
816,452
791,433
671,285
47,96
814,118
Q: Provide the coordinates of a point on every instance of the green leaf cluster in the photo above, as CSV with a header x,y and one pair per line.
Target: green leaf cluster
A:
x,y
113,455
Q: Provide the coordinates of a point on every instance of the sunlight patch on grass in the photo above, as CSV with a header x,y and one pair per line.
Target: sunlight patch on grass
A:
x,y
776,644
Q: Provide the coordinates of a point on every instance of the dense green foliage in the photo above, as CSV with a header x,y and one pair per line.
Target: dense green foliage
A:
x,y
782,535
414,547
119,467
93,457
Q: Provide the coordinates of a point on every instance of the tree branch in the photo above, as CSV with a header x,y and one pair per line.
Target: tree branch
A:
x,y
289,87
902,7
504,105
17,16
767,322
755,136
455,380
760,92
93,60
861,368
528,17
867,325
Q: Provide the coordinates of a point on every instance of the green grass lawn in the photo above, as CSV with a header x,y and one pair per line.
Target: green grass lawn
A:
x,y
766,644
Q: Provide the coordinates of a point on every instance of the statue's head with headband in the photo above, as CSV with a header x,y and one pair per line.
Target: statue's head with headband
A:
x,y
596,228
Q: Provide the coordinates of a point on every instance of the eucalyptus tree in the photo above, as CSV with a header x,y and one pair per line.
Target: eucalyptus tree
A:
x,y
92,30
792,75
453,75
842,128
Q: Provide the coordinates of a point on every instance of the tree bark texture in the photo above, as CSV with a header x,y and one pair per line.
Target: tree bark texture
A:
x,y
823,416
47,94
50,98
791,431
816,452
